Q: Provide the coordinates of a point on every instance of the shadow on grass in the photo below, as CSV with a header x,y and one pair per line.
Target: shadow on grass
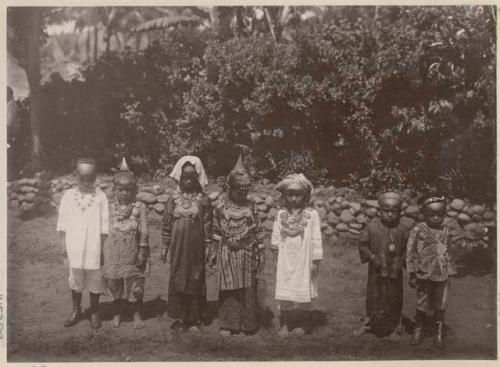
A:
x,y
150,310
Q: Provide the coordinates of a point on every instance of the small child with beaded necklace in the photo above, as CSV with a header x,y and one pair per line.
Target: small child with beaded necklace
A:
x,y
126,249
297,245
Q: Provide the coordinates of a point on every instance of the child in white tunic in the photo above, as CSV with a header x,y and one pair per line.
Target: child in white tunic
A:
x,y
83,224
297,244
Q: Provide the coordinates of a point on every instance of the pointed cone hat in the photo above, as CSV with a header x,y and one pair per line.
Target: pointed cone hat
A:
x,y
124,165
238,170
239,167
125,173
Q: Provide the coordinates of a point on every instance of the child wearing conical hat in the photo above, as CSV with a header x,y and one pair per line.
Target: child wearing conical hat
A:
x,y
126,249
239,251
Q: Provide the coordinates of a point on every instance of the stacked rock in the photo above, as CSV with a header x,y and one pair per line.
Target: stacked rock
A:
x,y
342,213
28,194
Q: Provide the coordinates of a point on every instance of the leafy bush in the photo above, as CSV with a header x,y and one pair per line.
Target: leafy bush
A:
x,y
393,102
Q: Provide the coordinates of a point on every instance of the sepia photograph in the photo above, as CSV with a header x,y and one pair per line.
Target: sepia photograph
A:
x,y
250,183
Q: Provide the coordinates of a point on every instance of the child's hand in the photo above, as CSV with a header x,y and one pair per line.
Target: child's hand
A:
x,y
375,260
212,259
261,259
315,270
274,252
142,258
413,280
163,256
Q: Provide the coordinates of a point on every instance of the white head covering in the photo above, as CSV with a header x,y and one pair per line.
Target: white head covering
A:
x,y
198,166
296,178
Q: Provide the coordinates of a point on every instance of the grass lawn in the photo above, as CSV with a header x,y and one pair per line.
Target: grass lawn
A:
x,y
39,301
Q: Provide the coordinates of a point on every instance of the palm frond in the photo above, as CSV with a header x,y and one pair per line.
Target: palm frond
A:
x,y
167,22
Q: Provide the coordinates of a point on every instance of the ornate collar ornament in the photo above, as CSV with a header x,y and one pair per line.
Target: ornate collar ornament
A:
x,y
123,211
294,224
126,217
186,204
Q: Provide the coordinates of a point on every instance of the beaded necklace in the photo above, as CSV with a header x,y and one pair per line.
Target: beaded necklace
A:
x,y
123,211
294,224
84,200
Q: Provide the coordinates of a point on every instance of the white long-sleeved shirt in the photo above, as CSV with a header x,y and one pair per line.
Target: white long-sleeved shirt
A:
x,y
83,219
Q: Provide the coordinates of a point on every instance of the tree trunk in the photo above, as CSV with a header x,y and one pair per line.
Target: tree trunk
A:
x,y
96,42
34,29
108,40
88,46
270,24
119,41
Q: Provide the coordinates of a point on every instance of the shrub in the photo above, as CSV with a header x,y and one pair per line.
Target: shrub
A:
x,y
402,101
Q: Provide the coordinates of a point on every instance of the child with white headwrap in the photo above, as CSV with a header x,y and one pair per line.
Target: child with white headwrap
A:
x,y
297,240
187,234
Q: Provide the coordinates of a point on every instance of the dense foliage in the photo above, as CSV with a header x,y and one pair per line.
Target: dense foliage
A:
x,y
404,99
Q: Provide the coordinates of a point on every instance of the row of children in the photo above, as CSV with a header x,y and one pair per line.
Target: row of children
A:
x,y
425,252
108,248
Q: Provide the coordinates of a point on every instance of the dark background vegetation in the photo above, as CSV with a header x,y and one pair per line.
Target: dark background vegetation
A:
x,y
370,97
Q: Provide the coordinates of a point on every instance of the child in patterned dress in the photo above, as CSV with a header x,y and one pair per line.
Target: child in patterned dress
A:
x,y
126,250
238,251
430,264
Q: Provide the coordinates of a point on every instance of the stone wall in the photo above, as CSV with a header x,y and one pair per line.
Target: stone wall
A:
x,y
343,214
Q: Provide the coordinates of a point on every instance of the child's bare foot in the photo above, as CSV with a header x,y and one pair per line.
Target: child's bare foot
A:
x,y
138,322
225,333
283,331
176,325
395,336
194,329
116,321
362,330
298,331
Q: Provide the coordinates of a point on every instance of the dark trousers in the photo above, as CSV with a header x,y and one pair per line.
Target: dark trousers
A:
x,y
238,310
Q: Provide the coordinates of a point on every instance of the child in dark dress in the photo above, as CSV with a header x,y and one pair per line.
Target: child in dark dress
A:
x,y
383,246
187,233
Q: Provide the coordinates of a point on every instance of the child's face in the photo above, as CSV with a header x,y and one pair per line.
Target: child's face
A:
x,y
86,181
189,178
295,196
240,188
125,191
390,211
434,214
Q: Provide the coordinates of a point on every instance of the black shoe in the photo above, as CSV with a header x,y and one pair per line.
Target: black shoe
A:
x,y
76,315
95,321
74,319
